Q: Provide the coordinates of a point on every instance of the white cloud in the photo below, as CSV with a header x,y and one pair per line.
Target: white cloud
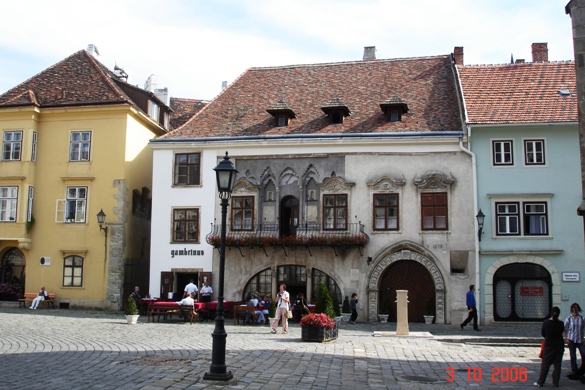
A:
x,y
192,46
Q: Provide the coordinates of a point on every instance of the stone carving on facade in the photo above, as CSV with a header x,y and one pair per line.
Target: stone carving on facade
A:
x,y
406,254
335,184
387,183
311,173
288,176
434,180
244,186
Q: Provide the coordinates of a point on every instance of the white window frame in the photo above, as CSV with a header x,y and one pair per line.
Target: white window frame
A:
x,y
80,148
31,194
72,273
73,208
8,203
12,146
33,153
531,158
153,110
499,156
541,215
507,216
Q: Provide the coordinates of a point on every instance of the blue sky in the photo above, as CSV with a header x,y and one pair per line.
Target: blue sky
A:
x,y
193,45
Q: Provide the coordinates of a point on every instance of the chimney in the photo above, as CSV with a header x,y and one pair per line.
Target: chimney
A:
x,y
93,50
458,55
369,53
519,61
539,52
223,85
150,83
163,95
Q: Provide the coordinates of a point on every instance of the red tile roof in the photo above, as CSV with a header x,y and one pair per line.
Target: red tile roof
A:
x,y
78,79
184,109
520,93
426,84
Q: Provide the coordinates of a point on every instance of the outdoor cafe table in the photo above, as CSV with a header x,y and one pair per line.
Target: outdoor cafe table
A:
x,y
208,309
145,303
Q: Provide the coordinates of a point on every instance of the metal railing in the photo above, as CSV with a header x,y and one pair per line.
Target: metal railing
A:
x,y
308,234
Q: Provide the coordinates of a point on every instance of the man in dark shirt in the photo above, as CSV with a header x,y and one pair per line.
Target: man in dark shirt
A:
x,y
472,308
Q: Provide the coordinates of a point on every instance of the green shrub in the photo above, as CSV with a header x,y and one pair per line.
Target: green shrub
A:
x,y
272,309
324,302
336,306
345,308
131,309
430,309
384,307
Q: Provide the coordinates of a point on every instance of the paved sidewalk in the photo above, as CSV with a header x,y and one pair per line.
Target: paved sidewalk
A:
x,y
69,349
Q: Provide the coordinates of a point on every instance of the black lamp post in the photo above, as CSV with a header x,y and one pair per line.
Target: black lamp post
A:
x,y
480,219
226,177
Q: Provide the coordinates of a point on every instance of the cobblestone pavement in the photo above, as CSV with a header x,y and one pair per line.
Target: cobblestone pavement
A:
x,y
69,349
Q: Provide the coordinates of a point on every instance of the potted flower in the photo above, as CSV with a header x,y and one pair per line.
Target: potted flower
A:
x,y
318,327
131,311
345,310
430,312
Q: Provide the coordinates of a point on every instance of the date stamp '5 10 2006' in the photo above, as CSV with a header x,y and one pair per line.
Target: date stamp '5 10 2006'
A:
x,y
499,374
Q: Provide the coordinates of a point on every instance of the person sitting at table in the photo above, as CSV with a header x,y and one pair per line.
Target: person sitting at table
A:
x,y
188,300
206,292
136,293
259,315
266,304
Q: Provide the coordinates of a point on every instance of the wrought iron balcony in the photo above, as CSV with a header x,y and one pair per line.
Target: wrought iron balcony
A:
x,y
307,235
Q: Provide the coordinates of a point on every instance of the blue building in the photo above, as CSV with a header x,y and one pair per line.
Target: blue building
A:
x,y
522,126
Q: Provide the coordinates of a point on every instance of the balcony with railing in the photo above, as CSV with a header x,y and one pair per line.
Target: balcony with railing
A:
x,y
307,235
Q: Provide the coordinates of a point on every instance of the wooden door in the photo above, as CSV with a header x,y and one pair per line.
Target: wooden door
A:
x,y
414,277
166,284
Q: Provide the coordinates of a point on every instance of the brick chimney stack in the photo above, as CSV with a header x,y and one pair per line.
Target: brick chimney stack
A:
x,y
369,53
540,52
458,55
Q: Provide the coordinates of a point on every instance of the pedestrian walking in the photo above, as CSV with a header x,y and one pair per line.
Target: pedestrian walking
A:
x,y
353,306
282,309
574,331
471,308
552,330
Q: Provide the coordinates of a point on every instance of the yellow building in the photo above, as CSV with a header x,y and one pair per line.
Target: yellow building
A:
x,y
74,142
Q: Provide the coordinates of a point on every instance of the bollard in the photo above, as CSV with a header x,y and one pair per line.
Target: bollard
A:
x,y
401,312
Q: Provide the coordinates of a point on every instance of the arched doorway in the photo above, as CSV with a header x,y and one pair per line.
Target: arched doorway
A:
x,y
12,271
289,216
411,276
522,292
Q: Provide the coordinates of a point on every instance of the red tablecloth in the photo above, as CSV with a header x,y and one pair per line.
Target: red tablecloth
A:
x,y
212,306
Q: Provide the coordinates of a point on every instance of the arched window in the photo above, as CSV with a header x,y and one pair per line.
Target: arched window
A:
x,y
320,276
261,283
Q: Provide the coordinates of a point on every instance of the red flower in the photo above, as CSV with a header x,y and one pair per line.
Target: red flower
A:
x,y
320,320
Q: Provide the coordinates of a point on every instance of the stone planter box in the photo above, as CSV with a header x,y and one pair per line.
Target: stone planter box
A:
x,y
319,335
383,317
346,317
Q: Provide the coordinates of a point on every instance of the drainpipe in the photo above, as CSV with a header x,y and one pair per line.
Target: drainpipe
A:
x,y
475,211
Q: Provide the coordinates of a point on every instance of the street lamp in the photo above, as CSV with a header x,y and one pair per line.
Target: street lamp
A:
x,y
480,219
101,216
225,174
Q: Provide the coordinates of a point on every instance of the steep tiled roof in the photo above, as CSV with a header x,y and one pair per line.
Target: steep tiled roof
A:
x,y
184,109
78,79
519,93
426,84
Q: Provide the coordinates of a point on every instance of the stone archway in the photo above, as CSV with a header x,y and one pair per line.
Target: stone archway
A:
x,y
396,254
489,281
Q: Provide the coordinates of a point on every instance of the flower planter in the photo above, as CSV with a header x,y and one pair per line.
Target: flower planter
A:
x,y
346,317
429,319
383,317
319,335
132,319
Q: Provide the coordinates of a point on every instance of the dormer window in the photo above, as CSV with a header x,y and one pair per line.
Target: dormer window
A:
x,y
394,107
336,110
281,113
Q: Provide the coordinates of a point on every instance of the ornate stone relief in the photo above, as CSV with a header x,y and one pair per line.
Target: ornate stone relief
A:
x,y
243,186
335,184
387,183
434,180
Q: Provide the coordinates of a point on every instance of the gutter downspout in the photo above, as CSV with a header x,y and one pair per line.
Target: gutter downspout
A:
x,y
480,313
475,211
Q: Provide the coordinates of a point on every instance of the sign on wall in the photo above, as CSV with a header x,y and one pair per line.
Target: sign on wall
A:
x,y
571,276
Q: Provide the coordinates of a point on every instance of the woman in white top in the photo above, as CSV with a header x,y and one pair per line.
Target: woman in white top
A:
x,y
282,307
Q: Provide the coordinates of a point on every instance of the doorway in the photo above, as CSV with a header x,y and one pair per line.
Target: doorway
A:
x,y
289,216
414,277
